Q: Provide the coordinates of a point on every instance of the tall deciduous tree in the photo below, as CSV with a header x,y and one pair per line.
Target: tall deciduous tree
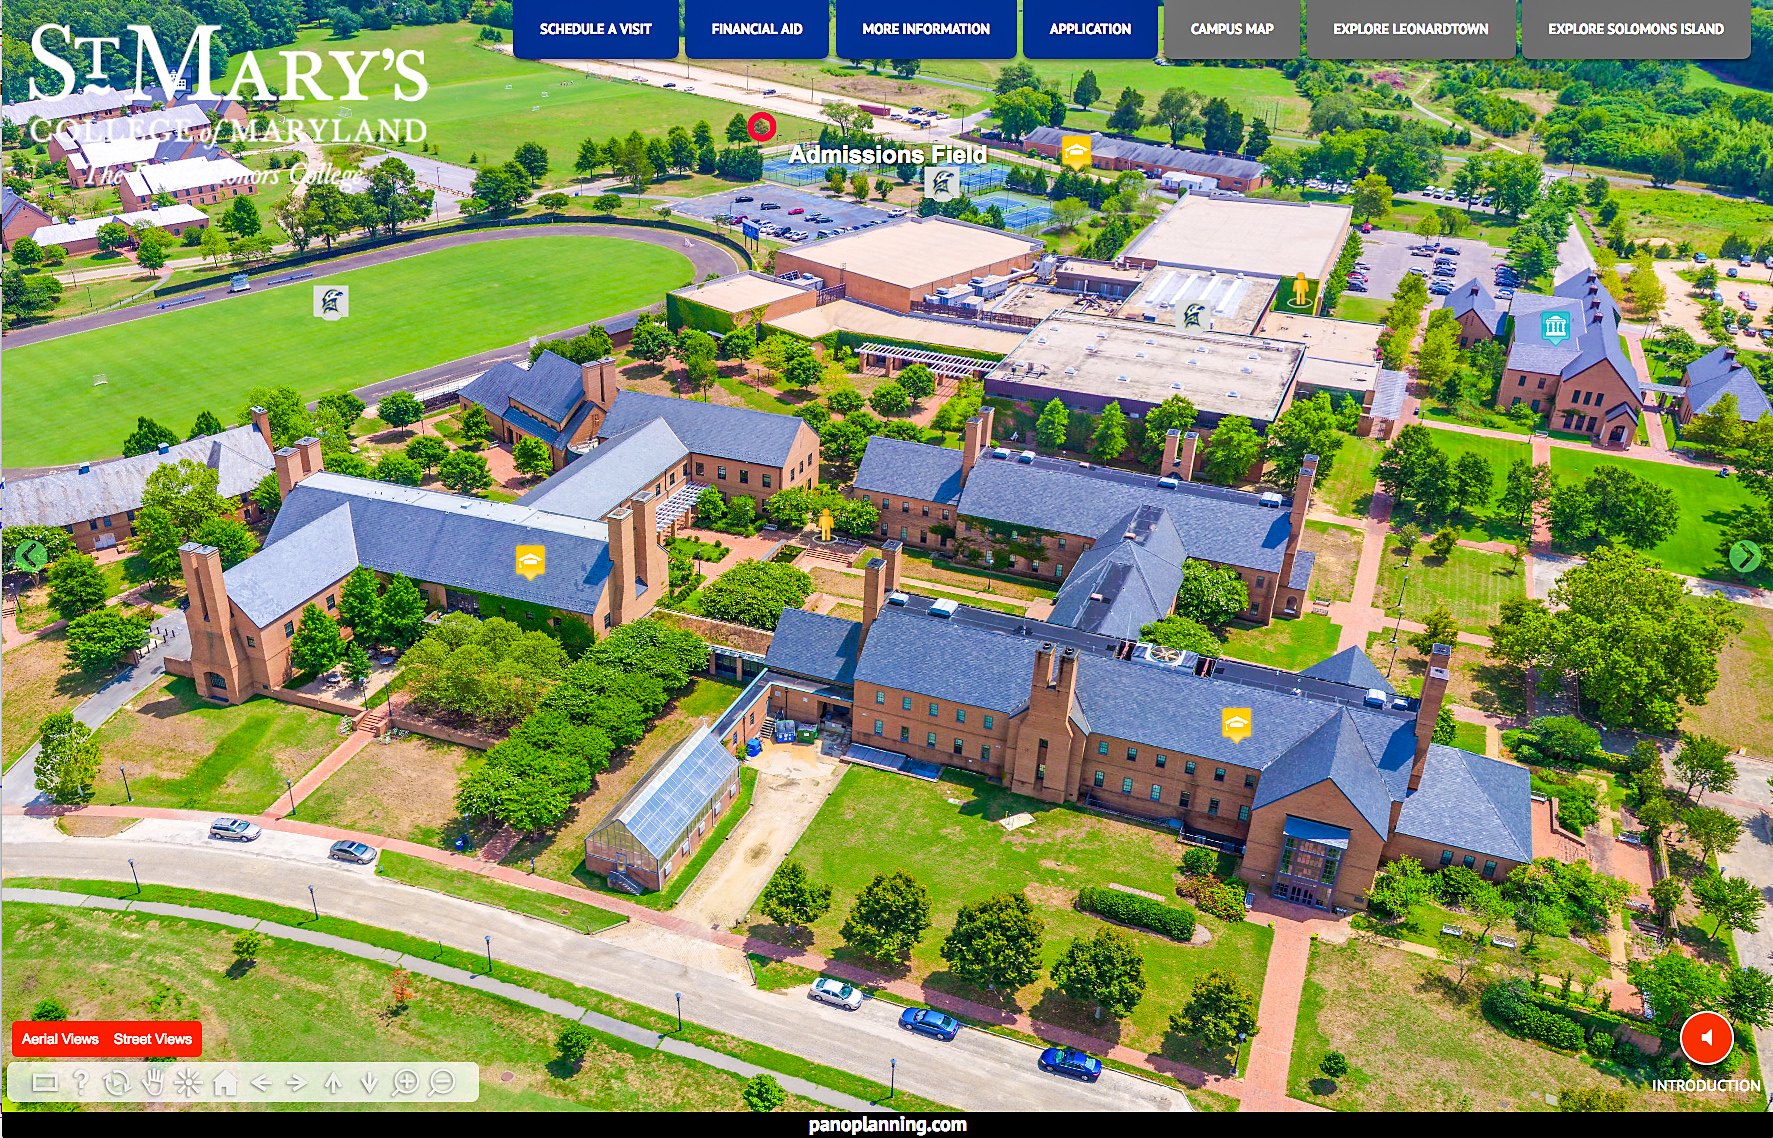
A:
x,y
76,585
1733,901
1703,763
890,916
792,898
1111,434
1211,594
996,942
1220,1008
316,645
1233,448
67,765
1107,970
147,436
1309,426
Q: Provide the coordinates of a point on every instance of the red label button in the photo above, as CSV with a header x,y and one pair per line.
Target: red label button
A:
x,y
1706,1038
761,126
107,1039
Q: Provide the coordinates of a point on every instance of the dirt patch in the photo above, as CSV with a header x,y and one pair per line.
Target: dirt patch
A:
x,y
1338,550
86,826
1050,895
834,584
404,789
35,683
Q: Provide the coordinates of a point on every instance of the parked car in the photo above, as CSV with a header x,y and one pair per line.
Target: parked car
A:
x,y
1730,272
1357,286
348,850
1071,1062
234,830
744,198
835,992
1441,289
1699,258
769,205
796,209
669,84
1745,260
770,91
1504,293
689,90
929,1022
1367,227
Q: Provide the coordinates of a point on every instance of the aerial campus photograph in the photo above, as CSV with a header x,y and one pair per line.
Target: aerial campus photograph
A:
x,y
624,559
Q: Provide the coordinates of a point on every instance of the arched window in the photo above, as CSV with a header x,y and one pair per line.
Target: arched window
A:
x,y
217,681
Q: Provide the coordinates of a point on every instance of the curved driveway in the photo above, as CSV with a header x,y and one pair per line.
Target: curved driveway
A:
x,y
978,1071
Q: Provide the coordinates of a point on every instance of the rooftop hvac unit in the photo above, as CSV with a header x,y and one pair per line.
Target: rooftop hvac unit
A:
x,y
1169,482
1163,656
1270,500
1375,697
1000,452
944,608
898,598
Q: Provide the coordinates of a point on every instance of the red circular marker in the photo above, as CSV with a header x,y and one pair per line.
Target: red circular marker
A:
x,y
761,126
1706,1038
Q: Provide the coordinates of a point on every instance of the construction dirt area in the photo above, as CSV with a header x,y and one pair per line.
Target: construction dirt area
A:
x,y
1682,310
793,781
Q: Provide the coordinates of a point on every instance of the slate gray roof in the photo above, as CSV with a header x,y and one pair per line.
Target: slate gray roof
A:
x,y
738,433
1475,297
11,205
611,473
1718,371
553,386
240,457
1303,561
1591,341
444,539
659,811
1155,154
275,581
815,645
1473,803
1136,578
1350,666
146,124
1215,524
909,470
973,666
1332,752
89,100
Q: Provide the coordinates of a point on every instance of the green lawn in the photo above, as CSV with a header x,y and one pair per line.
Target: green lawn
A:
x,y
1290,645
1354,306
1706,501
1678,215
1471,584
1486,523
575,915
1471,737
1414,1043
708,697
945,834
469,298
297,1002
468,112
1432,415
183,752
1348,489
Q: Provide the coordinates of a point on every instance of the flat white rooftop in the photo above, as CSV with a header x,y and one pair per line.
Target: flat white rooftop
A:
x,y
1247,235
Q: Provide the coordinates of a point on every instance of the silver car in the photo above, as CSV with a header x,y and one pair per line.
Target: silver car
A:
x,y
835,992
348,850
234,830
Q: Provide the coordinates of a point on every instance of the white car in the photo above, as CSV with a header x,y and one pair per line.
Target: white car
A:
x,y
234,830
835,992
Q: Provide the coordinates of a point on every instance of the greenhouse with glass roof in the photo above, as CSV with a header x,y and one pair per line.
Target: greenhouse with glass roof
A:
x,y
657,826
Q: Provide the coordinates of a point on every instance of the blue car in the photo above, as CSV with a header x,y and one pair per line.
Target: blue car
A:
x,y
1071,1062
930,1022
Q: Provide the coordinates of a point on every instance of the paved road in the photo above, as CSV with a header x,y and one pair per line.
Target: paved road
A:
x,y
1753,858
978,1071
19,785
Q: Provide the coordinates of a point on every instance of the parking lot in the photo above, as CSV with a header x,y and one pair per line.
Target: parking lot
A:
x,y
841,213
1387,254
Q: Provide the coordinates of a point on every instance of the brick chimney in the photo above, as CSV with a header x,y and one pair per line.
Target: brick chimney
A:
x,y
599,381
1296,531
970,446
210,623
1048,719
1434,693
621,564
312,460
651,562
879,578
261,422
1172,449
297,462
1190,444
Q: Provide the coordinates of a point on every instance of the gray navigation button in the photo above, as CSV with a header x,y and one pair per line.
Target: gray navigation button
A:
x,y
1410,29
1634,29
1231,29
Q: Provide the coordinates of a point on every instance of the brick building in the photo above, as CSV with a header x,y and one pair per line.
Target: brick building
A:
x,y
97,502
1480,315
79,237
1336,773
1712,376
1565,359
19,218
1040,516
1229,172
189,181
657,827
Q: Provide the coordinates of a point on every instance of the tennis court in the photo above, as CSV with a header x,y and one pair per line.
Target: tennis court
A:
x,y
1018,213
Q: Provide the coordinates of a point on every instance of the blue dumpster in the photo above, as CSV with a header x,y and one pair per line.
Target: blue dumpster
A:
x,y
785,731
754,747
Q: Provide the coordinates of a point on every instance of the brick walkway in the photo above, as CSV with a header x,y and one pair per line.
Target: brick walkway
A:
x,y
1270,1095
368,727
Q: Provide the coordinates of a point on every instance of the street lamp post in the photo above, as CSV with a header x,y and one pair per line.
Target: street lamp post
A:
x,y
125,775
1398,627
489,955
893,1079
132,873
312,901
290,787
1239,1055
680,1011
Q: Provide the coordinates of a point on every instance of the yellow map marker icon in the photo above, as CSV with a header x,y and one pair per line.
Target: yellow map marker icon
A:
x,y
532,560
1234,723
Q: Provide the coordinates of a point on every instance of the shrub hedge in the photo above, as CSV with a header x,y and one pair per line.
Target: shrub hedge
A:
x,y
1132,909
1508,1003
1223,899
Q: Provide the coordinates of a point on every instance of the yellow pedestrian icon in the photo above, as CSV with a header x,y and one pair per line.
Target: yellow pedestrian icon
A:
x,y
532,560
826,521
1234,723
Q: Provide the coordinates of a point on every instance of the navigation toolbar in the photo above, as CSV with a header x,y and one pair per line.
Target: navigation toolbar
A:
x,y
244,1083
1130,29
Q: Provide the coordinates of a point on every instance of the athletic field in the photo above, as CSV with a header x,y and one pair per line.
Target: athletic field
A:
x,y
406,315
